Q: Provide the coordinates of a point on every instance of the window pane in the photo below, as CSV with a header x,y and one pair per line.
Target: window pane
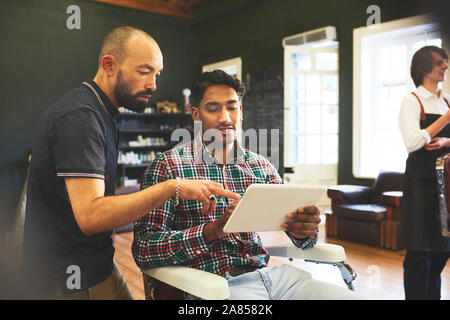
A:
x,y
397,94
313,119
327,61
330,149
313,149
297,89
313,94
297,149
301,61
393,62
384,67
330,89
390,143
297,119
434,42
330,119
384,97
293,157
417,45
398,63
301,148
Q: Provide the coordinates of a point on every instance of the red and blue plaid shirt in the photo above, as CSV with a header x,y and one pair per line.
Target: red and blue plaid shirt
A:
x,y
172,235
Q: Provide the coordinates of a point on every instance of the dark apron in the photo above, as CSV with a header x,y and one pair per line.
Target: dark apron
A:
x,y
421,222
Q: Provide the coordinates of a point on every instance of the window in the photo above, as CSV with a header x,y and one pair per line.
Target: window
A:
x,y
232,67
311,105
382,59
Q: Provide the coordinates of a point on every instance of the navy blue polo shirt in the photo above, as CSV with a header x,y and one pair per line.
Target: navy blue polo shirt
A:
x,y
78,138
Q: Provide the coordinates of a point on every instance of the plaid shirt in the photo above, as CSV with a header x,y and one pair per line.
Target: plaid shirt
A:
x,y
172,235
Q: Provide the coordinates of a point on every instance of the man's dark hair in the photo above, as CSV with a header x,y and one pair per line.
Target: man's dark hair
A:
x,y
116,42
422,62
213,78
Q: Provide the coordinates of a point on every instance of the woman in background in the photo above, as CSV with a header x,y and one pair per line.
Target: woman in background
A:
x,y
424,123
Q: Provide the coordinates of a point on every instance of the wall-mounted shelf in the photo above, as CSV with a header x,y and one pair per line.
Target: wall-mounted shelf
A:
x,y
156,129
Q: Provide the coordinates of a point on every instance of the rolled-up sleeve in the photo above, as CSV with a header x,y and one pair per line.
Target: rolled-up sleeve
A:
x,y
413,136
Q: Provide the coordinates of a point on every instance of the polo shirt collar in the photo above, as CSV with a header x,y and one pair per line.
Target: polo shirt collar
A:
x,y
108,105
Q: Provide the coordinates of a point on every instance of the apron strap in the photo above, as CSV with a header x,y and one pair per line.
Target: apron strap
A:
x,y
422,112
446,101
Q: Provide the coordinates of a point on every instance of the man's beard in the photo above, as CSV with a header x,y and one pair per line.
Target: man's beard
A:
x,y
124,98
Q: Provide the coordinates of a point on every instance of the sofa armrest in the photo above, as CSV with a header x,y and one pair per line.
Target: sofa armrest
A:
x,y
202,284
392,198
349,193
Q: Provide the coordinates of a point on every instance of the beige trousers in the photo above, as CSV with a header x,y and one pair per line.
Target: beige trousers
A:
x,y
114,287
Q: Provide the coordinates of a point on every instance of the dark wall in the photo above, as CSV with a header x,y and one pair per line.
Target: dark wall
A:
x,y
254,29
41,59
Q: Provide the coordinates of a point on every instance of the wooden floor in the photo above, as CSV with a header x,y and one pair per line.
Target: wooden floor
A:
x,y
379,271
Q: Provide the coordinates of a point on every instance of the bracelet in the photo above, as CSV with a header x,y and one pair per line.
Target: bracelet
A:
x,y
177,193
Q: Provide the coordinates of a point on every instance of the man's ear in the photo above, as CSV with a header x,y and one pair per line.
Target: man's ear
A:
x,y
109,65
195,114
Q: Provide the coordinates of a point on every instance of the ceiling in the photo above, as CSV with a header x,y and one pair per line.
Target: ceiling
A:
x,y
177,8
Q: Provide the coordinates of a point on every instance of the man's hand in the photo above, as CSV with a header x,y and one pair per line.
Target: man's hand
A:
x,y
302,223
437,143
202,190
214,230
95,213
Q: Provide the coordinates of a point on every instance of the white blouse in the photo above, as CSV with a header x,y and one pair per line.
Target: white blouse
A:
x,y
409,116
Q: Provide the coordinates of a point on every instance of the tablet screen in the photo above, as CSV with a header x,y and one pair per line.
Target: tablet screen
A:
x,y
263,207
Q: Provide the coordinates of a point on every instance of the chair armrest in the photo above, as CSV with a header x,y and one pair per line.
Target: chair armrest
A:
x,y
202,284
350,193
321,252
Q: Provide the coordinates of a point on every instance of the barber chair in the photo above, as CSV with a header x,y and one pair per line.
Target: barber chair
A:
x,y
443,179
174,282
368,215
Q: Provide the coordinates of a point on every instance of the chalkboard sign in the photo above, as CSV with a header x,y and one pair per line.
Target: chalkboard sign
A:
x,y
263,111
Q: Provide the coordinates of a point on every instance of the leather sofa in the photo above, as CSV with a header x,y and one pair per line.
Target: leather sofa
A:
x,y
358,213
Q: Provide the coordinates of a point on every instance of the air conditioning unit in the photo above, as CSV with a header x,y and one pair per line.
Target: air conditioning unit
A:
x,y
325,34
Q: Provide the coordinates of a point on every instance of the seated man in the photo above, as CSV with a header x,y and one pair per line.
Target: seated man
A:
x,y
183,234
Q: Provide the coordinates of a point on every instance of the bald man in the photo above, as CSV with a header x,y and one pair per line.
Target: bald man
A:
x,y
71,208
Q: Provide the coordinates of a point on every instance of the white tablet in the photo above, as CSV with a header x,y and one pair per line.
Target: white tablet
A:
x,y
263,207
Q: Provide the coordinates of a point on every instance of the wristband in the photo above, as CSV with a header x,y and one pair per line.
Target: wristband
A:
x,y
177,193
